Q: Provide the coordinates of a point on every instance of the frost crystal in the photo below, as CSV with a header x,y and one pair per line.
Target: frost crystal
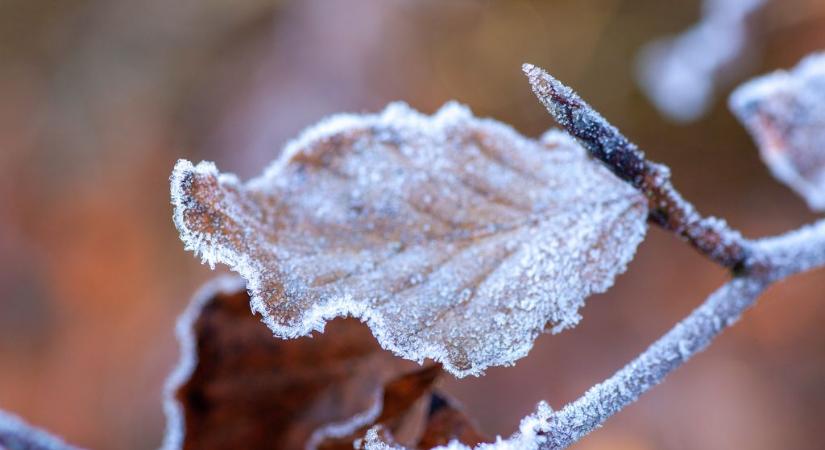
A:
x,y
785,114
454,238
679,74
16,434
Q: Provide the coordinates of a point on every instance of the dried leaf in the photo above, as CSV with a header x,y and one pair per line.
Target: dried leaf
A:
x,y
391,411
531,435
15,434
453,238
395,420
237,387
446,422
785,113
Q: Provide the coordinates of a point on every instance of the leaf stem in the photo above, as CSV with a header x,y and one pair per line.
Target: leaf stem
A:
x,y
709,235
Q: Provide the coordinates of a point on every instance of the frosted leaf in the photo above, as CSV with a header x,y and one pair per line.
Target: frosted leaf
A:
x,y
454,238
680,74
15,434
785,113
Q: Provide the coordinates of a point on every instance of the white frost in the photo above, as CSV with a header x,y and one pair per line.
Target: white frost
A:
x,y
454,238
785,113
794,252
16,434
680,74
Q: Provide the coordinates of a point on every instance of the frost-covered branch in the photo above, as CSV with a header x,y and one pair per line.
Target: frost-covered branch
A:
x,y
755,264
791,253
776,258
688,337
711,236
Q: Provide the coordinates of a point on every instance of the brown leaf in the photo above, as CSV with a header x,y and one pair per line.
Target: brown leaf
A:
x,y
391,413
15,434
456,429
395,420
785,113
454,238
237,387
447,422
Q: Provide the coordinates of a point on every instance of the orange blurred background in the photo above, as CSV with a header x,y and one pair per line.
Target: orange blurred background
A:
x,y
99,98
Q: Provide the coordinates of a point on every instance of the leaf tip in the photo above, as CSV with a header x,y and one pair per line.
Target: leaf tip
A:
x,y
188,184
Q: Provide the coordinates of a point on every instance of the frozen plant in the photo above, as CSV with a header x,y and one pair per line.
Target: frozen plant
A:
x,y
455,239
458,240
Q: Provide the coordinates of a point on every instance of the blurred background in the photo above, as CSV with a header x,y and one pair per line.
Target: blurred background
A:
x,y
99,98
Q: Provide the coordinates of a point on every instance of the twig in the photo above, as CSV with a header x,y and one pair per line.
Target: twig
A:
x,y
709,235
791,253
783,256
688,337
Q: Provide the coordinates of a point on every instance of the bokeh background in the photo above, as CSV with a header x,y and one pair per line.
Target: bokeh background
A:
x,y
99,98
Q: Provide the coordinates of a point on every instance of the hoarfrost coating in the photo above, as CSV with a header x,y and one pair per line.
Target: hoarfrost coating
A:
x,y
17,434
709,235
454,238
594,132
785,113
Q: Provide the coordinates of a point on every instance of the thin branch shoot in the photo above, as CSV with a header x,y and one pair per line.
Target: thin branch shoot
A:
x,y
709,235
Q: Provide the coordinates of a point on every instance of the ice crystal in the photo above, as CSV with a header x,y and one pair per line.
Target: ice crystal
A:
x,y
680,74
454,238
785,113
